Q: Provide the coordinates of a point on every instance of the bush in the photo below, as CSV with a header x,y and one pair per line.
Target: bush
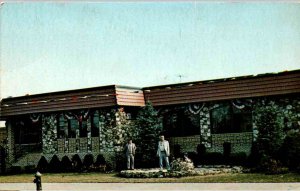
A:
x,y
185,164
254,157
193,157
213,158
15,170
272,166
121,161
30,169
177,151
76,163
88,161
66,164
290,151
201,151
239,159
54,165
42,165
226,152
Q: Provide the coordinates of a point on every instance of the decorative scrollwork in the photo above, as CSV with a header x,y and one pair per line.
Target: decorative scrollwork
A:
x,y
195,108
35,117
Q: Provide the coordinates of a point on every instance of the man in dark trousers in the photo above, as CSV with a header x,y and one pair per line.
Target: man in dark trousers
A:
x,y
130,152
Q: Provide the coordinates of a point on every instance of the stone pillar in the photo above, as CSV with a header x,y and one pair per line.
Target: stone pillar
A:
x,y
205,135
10,147
101,135
89,135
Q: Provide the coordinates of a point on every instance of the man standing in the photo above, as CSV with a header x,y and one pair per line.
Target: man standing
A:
x,y
130,152
163,152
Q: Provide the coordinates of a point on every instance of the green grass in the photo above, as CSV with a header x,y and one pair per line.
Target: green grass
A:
x,y
113,178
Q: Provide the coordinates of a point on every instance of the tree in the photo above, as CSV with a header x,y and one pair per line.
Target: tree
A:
x,y
269,122
150,126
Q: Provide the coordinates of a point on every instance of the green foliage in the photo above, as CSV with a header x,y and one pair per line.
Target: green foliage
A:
x,y
291,151
182,165
150,126
270,127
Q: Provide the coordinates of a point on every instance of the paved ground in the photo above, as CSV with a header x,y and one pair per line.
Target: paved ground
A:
x,y
154,186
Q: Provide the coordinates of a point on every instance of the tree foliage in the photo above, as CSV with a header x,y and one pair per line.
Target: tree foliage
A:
x,y
270,127
150,126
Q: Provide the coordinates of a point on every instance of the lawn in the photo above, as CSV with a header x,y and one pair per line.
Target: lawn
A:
x,y
112,177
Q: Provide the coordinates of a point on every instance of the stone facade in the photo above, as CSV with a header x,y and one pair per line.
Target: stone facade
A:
x,y
115,127
240,142
114,130
187,144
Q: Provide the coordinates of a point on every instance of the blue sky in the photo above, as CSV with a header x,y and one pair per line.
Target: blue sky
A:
x,y
46,47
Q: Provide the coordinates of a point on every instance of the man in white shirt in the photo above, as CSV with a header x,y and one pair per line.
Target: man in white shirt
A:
x,y
163,152
130,152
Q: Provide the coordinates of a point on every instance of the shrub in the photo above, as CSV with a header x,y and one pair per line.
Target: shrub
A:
x,y
54,165
177,151
238,159
290,151
213,158
193,157
272,166
42,165
88,161
15,170
100,164
66,164
30,168
76,163
226,152
201,151
254,157
121,161
185,164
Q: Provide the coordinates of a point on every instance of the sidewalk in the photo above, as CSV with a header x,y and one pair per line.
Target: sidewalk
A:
x,y
153,186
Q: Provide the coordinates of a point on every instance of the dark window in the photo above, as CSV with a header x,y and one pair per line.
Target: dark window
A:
x,y
95,125
60,126
72,127
83,129
27,132
180,123
228,119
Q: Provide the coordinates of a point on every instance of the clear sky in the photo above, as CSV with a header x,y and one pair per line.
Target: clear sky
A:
x,y
48,47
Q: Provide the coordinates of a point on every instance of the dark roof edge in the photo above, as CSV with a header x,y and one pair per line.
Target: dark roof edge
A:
x,y
72,91
59,92
128,87
226,79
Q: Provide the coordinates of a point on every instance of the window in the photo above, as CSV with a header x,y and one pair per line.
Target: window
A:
x,y
179,123
83,128
60,127
27,132
95,125
228,119
72,127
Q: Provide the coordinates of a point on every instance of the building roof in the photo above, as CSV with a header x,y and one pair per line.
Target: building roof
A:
x,y
222,89
114,95
97,97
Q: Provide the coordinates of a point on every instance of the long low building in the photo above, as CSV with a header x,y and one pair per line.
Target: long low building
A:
x,y
97,121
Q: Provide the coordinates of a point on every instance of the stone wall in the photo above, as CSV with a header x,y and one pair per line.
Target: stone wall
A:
x,y
49,134
187,144
114,131
10,146
240,142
